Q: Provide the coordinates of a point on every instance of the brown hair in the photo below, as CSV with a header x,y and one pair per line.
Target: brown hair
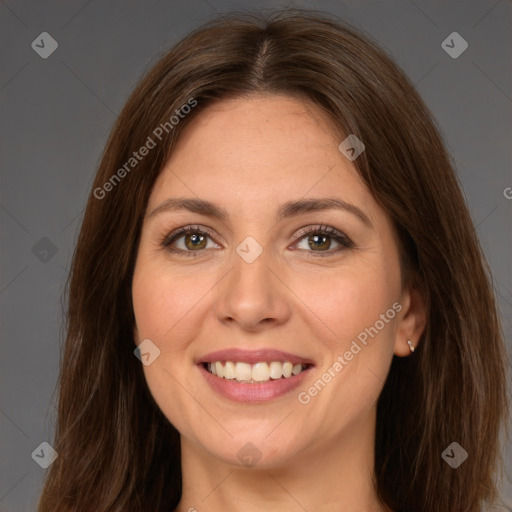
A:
x,y
116,449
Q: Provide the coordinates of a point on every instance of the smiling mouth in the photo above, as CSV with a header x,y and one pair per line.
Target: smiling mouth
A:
x,y
254,373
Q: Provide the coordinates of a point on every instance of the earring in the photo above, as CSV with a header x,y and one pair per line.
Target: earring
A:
x,y
409,342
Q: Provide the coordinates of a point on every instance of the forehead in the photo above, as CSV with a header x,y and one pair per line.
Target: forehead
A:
x,y
259,146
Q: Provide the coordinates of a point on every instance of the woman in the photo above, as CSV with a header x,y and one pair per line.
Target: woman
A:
x,y
275,231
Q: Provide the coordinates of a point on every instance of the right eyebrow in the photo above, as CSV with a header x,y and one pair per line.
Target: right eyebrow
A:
x,y
192,205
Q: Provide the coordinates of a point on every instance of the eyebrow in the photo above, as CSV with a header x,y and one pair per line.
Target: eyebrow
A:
x,y
289,209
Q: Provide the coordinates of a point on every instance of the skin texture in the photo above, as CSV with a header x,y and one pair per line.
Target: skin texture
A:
x,y
250,156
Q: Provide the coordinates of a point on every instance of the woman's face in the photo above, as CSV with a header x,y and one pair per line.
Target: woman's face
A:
x,y
255,295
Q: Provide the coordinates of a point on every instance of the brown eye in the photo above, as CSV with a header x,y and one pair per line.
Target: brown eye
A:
x,y
195,241
317,242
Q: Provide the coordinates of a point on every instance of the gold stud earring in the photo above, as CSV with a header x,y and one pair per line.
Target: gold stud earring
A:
x,y
409,342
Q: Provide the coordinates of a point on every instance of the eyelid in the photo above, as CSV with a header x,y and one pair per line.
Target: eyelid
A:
x,y
183,230
321,228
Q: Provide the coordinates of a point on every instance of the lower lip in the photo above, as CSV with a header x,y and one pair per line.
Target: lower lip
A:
x,y
250,393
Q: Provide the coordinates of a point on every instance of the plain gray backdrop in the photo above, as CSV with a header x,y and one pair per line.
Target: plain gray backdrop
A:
x,y
56,113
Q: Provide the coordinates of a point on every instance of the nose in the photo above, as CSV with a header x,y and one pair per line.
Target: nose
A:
x,y
253,295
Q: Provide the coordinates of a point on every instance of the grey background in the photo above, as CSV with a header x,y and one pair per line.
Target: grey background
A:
x,y
56,114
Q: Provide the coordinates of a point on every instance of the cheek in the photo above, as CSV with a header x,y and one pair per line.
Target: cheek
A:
x,y
345,303
355,324
356,335
161,299
161,302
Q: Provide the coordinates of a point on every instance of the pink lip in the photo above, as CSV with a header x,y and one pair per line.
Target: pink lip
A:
x,y
251,393
252,356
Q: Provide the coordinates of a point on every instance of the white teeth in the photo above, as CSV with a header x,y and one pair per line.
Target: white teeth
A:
x,y
229,370
243,371
260,372
276,370
251,373
297,368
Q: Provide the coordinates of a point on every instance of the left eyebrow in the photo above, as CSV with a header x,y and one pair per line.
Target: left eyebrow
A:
x,y
324,203
286,210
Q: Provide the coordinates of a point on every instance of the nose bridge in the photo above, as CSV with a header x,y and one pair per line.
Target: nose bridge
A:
x,y
251,262
251,292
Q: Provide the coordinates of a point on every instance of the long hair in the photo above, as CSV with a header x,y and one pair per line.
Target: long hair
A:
x,y
116,449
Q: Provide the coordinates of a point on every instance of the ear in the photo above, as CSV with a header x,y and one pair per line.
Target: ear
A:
x,y
412,322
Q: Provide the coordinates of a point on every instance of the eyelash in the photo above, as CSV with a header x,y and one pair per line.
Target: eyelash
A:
x,y
339,237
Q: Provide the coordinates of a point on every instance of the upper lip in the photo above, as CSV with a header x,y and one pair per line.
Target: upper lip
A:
x,y
252,356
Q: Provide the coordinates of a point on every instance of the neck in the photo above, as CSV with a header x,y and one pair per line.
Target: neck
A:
x,y
333,475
